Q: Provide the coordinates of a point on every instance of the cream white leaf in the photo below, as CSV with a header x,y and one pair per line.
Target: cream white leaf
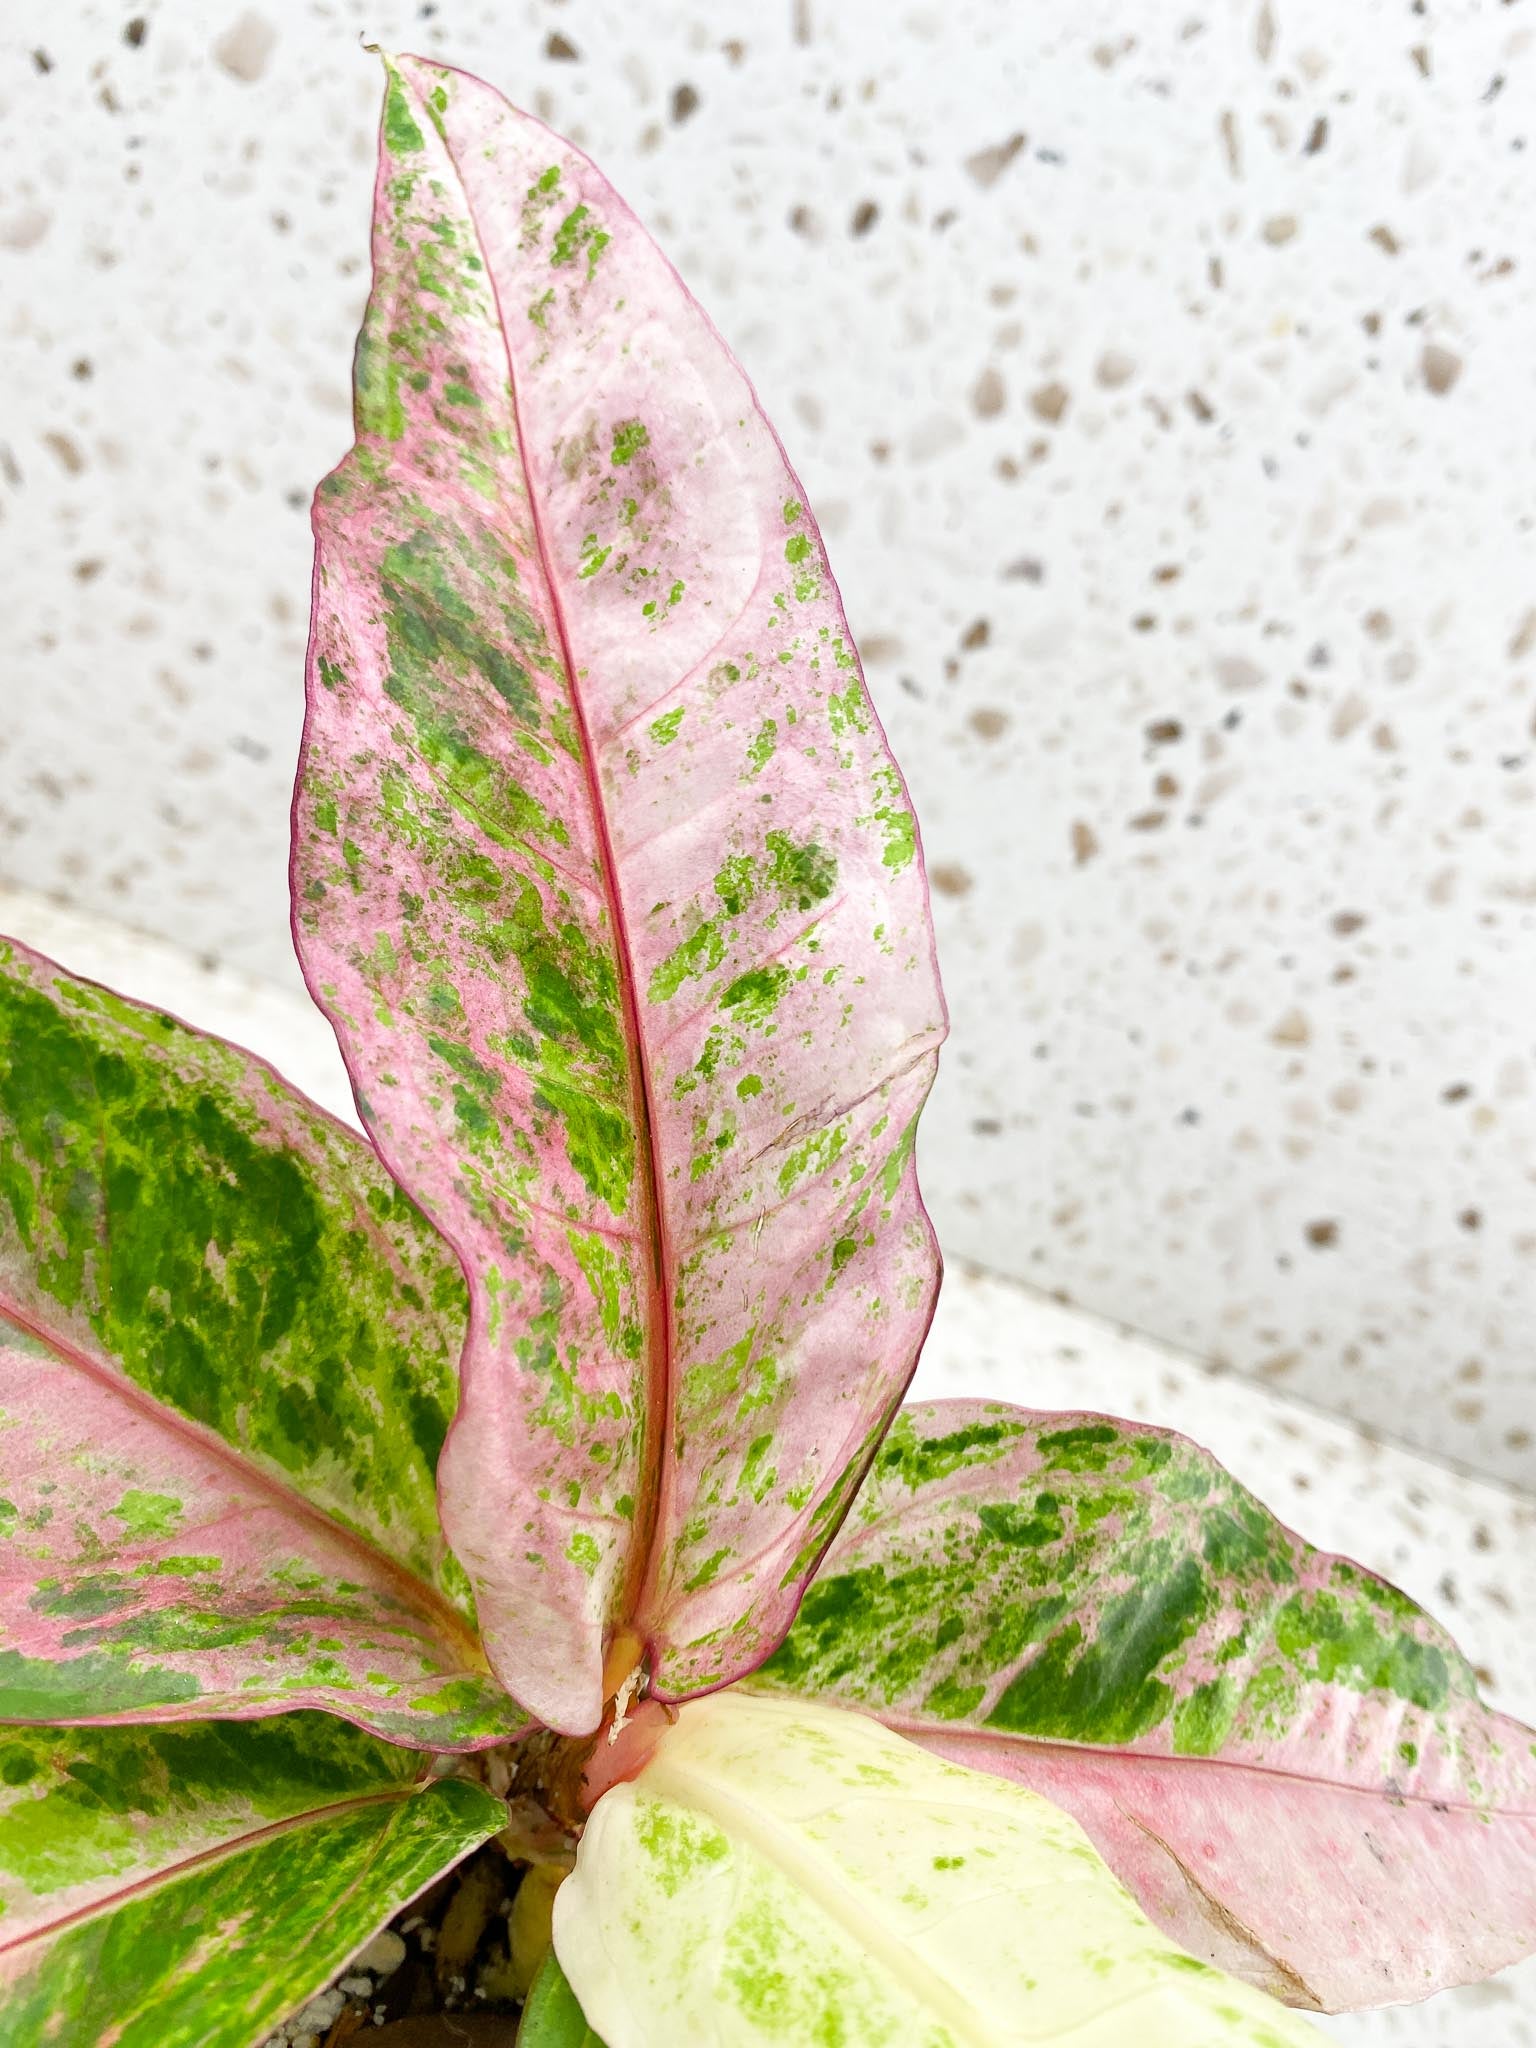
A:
x,y
779,1872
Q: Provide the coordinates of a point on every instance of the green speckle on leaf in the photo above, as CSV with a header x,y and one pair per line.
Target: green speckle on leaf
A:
x,y
146,1517
802,873
753,997
629,437
592,556
578,232
402,137
761,750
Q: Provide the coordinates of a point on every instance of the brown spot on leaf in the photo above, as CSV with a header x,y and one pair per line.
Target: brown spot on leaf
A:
x,y
560,48
685,101
987,723
1085,843
1227,1936
950,879
1292,1029
1322,1234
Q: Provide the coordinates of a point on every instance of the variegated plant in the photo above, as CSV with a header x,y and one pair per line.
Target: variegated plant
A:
x,y
348,1488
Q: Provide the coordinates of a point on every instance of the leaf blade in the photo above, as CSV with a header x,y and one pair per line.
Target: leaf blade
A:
x,y
779,1871
1095,1609
188,1887
552,2017
211,1301
622,876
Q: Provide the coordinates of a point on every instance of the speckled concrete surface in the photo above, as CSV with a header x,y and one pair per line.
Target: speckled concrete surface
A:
x,y
1464,1547
1163,378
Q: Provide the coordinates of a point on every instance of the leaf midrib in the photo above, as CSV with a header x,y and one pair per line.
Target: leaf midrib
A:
x,y
656,1437
433,1606
787,1850
170,1873
916,1729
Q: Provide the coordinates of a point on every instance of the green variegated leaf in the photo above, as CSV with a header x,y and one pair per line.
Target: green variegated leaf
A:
x,y
227,1365
780,1873
188,1887
1284,1757
552,2018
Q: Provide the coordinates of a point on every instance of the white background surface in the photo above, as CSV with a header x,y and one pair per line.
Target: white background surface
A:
x,y
1163,376
1463,1547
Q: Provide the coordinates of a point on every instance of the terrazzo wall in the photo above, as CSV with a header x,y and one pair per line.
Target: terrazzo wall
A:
x,y
1163,376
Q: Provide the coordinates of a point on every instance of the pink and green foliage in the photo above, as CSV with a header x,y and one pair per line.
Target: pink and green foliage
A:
x,y
184,1887
609,882
558,1390
227,1363
1096,1610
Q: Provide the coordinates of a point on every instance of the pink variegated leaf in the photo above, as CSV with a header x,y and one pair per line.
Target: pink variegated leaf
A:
x,y
609,883
1285,1759
227,1349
